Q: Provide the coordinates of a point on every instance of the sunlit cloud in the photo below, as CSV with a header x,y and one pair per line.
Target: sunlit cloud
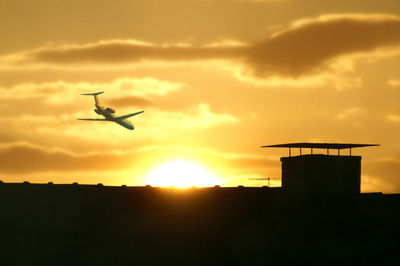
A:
x,y
40,112
393,118
234,160
309,47
394,83
59,92
375,183
154,124
195,117
349,113
207,151
381,174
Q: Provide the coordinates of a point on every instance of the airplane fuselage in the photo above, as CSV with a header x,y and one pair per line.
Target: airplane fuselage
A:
x,y
108,114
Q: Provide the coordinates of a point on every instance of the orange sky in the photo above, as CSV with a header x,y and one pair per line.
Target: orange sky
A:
x,y
217,79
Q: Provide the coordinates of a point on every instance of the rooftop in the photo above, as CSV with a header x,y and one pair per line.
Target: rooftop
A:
x,y
327,146
336,146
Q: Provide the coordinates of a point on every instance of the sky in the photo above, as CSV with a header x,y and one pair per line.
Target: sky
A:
x,y
217,79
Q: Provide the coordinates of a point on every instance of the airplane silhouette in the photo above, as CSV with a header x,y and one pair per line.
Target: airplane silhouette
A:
x,y
108,113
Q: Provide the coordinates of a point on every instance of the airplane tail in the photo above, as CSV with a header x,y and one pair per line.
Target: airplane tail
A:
x,y
95,96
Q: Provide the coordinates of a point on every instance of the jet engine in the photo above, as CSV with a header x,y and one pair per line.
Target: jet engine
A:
x,y
97,111
110,110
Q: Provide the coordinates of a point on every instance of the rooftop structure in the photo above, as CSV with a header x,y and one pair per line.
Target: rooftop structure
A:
x,y
319,175
327,146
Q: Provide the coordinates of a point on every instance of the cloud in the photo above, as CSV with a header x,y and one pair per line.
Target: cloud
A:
x,y
382,174
23,158
61,92
26,158
130,101
154,124
127,51
232,160
307,47
394,83
33,110
349,113
199,116
52,107
393,118
310,43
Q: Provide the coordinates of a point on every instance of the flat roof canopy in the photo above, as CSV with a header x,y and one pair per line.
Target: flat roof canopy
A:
x,y
336,146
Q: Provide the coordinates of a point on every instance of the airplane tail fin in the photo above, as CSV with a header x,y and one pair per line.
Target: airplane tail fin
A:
x,y
95,96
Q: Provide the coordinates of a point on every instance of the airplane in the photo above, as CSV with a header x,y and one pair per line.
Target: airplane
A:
x,y
108,113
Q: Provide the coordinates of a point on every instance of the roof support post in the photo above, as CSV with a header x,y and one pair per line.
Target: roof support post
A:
x,y
290,152
350,151
327,151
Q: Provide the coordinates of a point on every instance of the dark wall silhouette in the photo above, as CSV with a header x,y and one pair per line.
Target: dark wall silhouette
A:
x,y
322,175
45,224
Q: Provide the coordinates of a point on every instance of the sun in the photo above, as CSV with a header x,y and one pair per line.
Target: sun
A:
x,y
181,173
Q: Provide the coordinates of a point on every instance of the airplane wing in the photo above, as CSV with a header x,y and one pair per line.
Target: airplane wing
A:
x,y
89,119
127,116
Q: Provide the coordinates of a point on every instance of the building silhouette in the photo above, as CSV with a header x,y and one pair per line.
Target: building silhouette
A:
x,y
322,223
321,175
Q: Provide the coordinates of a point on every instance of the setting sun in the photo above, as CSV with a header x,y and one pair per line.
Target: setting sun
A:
x,y
181,173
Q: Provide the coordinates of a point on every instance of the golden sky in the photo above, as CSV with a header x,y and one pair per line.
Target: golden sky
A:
x,y
217,79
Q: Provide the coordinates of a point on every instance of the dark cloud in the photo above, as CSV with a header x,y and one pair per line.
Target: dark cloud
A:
x,y
119,51
23,159
305,47
309,45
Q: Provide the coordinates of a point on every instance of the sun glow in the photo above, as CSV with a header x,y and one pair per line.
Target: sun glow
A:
x,y
181,173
